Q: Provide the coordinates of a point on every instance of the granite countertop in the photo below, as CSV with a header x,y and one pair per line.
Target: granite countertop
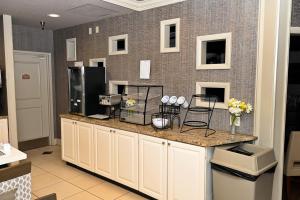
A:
x,y
193,137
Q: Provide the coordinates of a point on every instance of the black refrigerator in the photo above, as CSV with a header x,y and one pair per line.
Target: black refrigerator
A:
x,y
85,86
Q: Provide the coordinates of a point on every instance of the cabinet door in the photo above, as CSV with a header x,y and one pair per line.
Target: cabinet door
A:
x,y
85,148
3,131
68,140
104,151
153,166
126,158
186,172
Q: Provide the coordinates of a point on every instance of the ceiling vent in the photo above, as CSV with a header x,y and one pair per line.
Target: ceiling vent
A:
x,y
90,10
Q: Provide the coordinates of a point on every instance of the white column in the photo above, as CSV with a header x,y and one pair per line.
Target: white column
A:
x,y
10,80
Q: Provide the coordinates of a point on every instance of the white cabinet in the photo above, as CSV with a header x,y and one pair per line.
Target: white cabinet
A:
x,y
85,148
77,143
104,151
3,131
153,160
162,169
68,140
126,158
187,172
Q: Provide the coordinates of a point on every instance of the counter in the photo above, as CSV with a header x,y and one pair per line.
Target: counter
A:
x,y
193,137
15,180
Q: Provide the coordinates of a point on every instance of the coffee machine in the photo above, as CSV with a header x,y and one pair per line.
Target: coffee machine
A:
x,y
85,86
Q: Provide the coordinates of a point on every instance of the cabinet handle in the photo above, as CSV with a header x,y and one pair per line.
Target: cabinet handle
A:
x,y
110,131
163,143
169,144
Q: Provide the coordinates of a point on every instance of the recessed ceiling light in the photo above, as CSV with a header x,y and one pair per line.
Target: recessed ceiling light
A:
x,y
53,15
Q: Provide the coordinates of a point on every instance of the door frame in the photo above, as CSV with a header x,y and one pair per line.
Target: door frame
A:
x,y
271,78
52,140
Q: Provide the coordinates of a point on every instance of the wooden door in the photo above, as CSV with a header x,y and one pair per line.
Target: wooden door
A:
x,y
84,144
32,100
153,160
186,172
126,158
103,138
68,140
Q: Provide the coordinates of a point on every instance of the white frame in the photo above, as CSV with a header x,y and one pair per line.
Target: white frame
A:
x,y
295,30
225,85
200,52
92,61
163,24
71,47
114,83
96,60
111,40
52,140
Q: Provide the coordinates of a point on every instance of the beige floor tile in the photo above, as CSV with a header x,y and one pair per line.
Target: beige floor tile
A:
x,y
43,160
107,191
62,190
44,180
131,196
86,181
33,197
83,196
36,171
50,165
66,172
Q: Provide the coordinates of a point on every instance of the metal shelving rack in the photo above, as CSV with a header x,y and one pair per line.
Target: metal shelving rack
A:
x,y
198,124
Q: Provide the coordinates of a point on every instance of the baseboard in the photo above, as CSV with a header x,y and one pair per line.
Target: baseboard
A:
x,y
57,141
34,144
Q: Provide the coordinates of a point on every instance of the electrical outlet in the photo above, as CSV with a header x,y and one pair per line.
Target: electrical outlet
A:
x,y
90,31
97,29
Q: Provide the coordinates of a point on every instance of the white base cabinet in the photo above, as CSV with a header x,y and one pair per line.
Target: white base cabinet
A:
x,y
85,147
104,151
68,142
126,158
77,143
188,175
153,160
157,167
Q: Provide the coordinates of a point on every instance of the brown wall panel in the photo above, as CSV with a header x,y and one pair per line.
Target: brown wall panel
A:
x,y
176,71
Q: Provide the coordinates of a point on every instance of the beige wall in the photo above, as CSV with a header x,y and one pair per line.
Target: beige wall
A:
x,y
176,71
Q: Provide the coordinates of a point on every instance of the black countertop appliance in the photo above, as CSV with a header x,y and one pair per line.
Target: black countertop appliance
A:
x,y
85,85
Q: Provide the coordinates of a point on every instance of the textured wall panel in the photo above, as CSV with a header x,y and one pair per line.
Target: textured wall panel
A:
x,y
296,13
176,71
32,39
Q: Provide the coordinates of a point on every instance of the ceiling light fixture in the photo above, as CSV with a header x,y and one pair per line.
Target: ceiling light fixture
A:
x,y
53,15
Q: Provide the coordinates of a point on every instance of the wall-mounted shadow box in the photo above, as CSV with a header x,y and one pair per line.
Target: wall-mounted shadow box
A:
x,y
219,89
170,35
214,51
118,44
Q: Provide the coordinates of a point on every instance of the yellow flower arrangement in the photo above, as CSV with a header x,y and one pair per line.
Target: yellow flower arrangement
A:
x,y
237,108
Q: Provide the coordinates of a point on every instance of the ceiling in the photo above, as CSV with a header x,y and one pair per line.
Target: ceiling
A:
x,y
140,5
72,12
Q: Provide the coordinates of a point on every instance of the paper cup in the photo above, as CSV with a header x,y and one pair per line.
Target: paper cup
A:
x,y
165,99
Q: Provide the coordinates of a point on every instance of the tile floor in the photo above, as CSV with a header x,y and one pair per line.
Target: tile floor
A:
x,y
51,175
